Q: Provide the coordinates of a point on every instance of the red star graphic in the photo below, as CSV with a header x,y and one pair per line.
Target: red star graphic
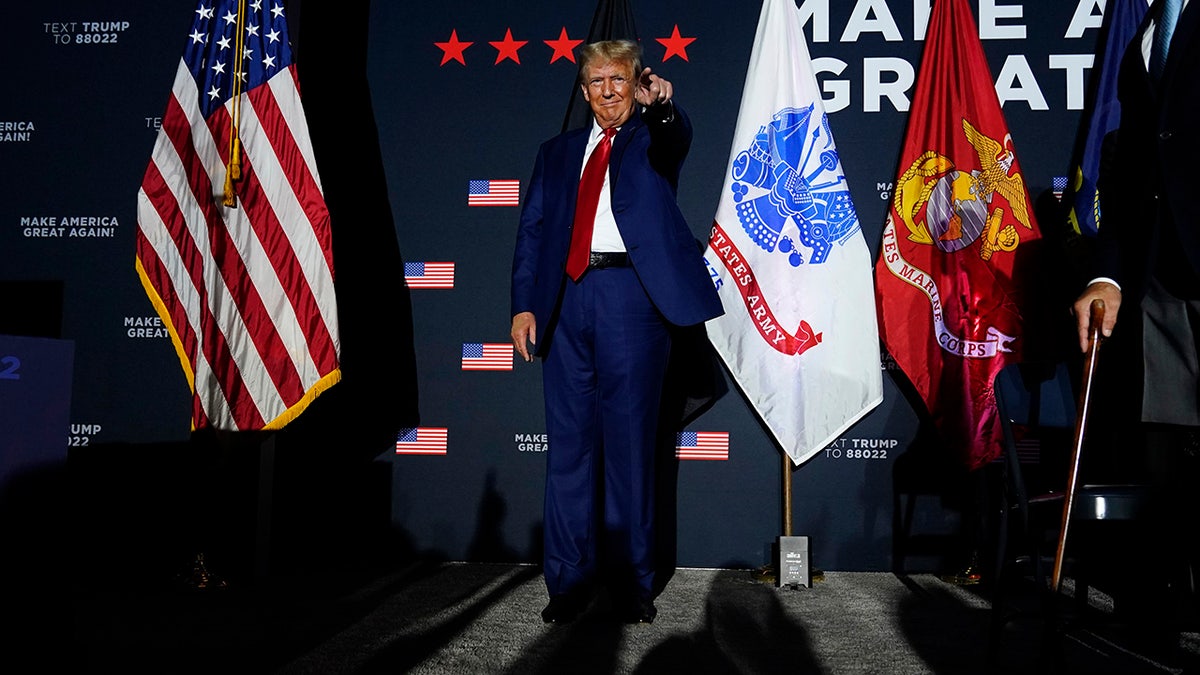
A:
x,y
676,45
507,48
563,47
453,49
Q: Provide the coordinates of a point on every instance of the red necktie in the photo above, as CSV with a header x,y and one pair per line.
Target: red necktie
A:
x,y
585,206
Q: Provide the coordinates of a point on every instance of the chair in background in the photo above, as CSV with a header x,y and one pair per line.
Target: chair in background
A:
x,y
1036,402
923,470
1039,414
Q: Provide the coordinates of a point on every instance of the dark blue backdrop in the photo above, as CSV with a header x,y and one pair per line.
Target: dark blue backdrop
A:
x,y
79,103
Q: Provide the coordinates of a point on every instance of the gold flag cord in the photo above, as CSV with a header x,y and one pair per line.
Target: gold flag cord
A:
x,y
233,170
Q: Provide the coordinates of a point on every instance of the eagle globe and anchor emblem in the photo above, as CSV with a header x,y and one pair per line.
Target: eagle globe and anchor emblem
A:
x,y
958,205
801,174
952,209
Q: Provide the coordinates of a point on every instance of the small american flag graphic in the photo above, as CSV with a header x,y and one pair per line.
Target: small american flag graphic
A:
x,y
1057,185
421,441
485,356
702,445
493,192
429,274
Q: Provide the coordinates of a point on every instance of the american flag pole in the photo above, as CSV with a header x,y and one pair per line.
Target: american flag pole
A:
x,y
233,172
787,494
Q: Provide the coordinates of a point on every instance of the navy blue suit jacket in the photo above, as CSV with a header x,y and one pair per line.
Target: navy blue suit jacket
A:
x,y
644,166
1148,185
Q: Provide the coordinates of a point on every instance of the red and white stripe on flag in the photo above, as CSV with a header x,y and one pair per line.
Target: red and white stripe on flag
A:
x,y
246,291
799,332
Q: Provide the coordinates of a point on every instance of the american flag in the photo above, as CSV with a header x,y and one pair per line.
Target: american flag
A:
x,y
241,271
429,274
1058,184
421,441
476,356
493,192
702,445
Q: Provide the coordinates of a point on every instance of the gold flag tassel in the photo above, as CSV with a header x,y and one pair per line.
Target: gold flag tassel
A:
x,y
233,169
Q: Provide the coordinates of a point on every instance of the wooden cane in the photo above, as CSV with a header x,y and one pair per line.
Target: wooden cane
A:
x,y
1081,419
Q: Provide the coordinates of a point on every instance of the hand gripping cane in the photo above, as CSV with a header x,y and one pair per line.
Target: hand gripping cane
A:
x,y
1081,420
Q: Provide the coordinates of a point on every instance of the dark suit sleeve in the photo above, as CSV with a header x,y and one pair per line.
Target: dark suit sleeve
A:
x,y
529,237
1106,262
670,139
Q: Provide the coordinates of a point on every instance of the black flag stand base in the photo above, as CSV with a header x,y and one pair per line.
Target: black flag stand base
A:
x,y
226,460
795,569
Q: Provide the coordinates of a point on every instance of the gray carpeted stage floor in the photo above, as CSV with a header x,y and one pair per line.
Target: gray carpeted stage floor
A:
x,y
476,618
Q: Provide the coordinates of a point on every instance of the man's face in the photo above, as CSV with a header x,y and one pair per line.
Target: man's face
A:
x,y
608,89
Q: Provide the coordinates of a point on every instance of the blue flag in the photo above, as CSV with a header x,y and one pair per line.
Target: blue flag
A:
x,y
1103,116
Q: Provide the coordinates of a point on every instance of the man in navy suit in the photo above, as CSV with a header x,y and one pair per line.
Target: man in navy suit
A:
x,y
604,328
1147,273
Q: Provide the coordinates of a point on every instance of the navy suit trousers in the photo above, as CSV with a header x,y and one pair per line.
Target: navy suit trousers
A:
x,y
603,377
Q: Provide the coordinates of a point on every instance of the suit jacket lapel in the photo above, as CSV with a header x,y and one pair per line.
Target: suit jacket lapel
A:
x,y
576,146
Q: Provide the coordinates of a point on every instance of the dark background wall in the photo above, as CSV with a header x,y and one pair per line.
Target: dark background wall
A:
x,y
398,135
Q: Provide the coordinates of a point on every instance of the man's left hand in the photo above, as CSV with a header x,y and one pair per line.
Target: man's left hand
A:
x,y
652,89
1107,293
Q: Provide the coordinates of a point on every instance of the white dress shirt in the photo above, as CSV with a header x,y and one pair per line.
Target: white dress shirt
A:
x,y
606,237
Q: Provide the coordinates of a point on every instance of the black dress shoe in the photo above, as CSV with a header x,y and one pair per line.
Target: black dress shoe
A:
x,y
561,609
640,610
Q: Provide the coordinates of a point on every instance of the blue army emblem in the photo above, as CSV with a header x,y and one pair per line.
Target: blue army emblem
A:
x,y
791,174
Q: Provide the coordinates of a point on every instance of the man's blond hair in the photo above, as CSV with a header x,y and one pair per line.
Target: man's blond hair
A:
x,y
619,51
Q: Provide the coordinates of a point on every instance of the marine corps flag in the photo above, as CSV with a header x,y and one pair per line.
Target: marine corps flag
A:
x,y
790,262
949,307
